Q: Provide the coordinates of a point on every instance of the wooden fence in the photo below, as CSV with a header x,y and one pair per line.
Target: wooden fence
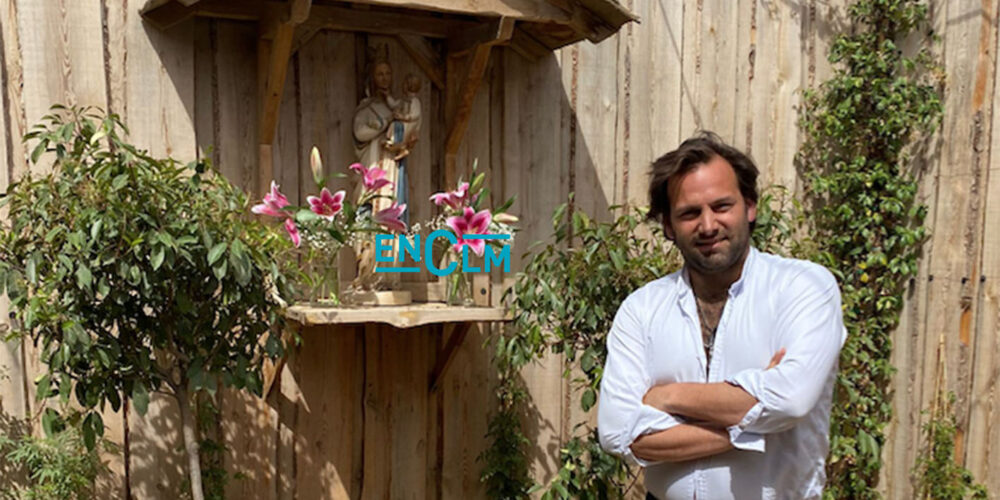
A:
x,y
586,119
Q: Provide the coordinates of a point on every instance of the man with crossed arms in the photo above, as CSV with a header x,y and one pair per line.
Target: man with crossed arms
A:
x,y
719,377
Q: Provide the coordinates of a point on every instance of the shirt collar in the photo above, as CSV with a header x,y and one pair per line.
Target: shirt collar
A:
x,y
735,289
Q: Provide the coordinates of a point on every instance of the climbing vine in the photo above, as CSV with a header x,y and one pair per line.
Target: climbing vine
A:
x,y
861,129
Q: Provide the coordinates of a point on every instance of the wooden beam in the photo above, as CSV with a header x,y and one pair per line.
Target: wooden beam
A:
x,y
163,15
526,45
188,3
385,22
425,56
491,33
529,10
459,121
298,12
446,355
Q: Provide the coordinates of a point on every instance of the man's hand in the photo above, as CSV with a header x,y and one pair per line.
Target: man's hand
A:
x,y
776,358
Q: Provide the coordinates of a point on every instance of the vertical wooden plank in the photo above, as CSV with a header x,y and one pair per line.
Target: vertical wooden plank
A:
x,y
206,78
718,67
13,395
955,240
248,426
783,126
916,344
592,97
117,17
11,92
984,435
406,358
377,467
656,89
158,107
532,97
289,155
327,92
690,116
236,63
159,89
62,54
326,424
468,401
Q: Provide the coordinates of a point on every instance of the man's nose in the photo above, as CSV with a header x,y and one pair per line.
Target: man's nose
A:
x,y
708,224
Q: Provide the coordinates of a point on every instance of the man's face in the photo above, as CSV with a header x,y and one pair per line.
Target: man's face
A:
x,y
709,219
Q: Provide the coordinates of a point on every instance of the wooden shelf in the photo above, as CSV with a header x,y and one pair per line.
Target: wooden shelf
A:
x,y
398,316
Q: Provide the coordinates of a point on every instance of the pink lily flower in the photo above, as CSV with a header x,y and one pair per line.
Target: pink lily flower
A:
x,y
327,205
454,199
273,204
470,222
293,231
373,178
389,217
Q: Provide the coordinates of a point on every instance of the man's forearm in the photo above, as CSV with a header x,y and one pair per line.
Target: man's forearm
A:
x,y
719,404
680,443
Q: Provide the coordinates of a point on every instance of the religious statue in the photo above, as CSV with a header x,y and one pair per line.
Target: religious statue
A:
x,y
385,130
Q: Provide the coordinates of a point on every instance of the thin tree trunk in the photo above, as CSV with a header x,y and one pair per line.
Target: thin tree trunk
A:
x,y
190,442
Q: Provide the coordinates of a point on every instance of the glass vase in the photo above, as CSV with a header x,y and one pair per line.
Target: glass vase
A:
x,y
459,289
322,280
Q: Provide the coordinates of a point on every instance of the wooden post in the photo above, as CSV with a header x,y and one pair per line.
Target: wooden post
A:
x,y
277,32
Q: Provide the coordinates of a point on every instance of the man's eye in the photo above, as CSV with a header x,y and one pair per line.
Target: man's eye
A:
x,y
724,207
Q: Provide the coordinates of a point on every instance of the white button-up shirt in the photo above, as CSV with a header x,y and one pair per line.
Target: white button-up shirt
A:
x,y
781,444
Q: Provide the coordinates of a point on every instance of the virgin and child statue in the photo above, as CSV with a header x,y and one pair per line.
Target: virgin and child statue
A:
x,y
385,129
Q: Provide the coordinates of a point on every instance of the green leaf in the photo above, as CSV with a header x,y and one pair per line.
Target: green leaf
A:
x,y
157,259
95,230
31,270
140,397
51,422
39,149
83,277
216,252
588,399
42,385
93,428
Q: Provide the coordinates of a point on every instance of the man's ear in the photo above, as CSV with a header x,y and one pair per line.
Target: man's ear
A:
x,y
751,211
667,230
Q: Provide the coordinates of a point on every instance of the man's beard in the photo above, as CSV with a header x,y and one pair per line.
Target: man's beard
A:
x,y
732,248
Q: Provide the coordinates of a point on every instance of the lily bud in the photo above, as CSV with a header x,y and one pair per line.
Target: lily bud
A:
x,y
316,164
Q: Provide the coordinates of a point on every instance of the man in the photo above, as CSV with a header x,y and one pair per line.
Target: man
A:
x,y
719,377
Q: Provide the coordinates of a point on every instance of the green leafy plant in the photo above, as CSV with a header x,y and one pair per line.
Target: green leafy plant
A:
x,y
58,466
938,476
861,128
598,264
136,275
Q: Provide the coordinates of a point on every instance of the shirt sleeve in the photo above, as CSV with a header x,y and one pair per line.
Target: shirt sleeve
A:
x,y
811,328
621,415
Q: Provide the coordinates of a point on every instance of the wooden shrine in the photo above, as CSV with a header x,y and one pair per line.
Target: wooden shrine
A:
x,y
365,405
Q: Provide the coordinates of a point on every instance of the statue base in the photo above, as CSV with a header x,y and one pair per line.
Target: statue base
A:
x,y
377,298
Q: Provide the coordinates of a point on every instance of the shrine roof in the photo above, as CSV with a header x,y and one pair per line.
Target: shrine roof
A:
x,y
539,25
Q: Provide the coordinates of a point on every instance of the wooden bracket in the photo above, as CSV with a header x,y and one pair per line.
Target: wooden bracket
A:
x,y
425,56
274,48
495,32
483,40
272,369
446,355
